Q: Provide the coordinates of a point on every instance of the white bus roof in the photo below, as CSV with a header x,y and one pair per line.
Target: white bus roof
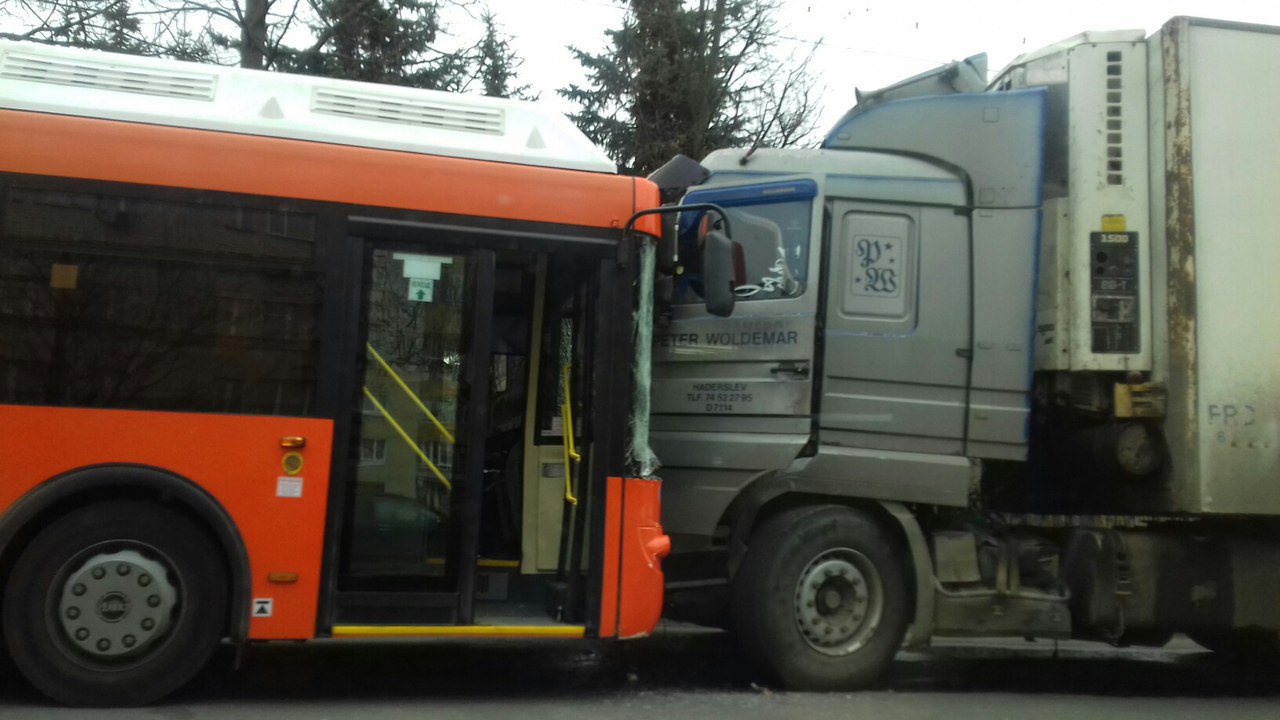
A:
x,y
89,83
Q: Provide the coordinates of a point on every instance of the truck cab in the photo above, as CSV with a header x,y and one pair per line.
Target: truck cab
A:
x,y
944,400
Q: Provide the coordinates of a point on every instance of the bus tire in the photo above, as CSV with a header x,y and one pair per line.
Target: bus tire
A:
x,y
115,604
821,598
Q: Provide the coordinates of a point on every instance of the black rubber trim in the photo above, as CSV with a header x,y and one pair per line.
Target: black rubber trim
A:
x,y
481,268
182,491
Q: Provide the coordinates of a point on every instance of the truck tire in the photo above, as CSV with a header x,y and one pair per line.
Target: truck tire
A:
x,y
115,604
821,598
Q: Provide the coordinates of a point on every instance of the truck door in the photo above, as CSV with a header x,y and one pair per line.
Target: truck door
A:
x,y
895,357
733,396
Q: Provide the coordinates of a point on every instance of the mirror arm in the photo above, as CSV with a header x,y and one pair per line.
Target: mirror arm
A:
x,y
705,207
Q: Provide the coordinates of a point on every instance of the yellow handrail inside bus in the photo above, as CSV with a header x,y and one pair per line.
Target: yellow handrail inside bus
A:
x,y
408,440
570,454
412,395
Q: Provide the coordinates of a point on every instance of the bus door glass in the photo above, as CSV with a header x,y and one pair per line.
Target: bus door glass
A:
x,y
559,437
407,511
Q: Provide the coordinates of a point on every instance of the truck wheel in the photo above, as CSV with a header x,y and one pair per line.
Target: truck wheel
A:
x,y
821,598
116,603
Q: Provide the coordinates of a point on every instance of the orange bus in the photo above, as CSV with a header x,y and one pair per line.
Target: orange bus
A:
x,y
286,357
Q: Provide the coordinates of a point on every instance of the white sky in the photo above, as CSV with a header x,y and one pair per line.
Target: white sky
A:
x,y
866,43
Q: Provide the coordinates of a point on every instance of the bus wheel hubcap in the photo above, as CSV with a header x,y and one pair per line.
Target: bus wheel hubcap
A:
x,y
117,604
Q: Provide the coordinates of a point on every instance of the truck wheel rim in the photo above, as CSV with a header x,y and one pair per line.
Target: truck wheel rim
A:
x,y
116,605
839,601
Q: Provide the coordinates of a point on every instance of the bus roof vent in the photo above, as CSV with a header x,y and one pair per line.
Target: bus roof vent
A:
x,y
107,86
104,74
426,112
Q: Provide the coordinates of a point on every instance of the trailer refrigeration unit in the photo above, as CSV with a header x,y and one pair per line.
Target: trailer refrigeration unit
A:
x,y
1004,361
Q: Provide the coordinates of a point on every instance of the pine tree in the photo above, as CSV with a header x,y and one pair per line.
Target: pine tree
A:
x,y
383,41
685,78
99,24
497,63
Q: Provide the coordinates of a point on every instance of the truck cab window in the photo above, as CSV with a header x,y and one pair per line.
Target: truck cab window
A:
x,y
771,222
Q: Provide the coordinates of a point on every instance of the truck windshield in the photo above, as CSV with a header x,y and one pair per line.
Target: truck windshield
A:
x,y
771,222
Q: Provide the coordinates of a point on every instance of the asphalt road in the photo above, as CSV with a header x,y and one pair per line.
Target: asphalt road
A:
x,y
683,673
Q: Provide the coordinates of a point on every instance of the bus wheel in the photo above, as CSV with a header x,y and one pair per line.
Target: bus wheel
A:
x,y
821,598
116,603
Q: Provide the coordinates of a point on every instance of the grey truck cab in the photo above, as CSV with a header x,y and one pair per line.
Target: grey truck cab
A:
x,y
938,404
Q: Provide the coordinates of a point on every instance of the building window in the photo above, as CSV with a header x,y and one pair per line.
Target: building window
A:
x,y
373,451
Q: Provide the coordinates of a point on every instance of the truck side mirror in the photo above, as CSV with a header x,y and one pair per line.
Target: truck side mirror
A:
x,y
718,273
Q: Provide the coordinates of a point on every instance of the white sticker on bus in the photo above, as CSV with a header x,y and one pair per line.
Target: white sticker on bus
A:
x,y
288,487
262,607
422,290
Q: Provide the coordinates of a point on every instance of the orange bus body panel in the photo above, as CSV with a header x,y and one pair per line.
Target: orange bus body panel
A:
x,y
647,198
114,151
634,545
643,547
235,458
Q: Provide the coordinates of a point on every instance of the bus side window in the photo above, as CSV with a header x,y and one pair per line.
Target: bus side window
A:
x,y
135,302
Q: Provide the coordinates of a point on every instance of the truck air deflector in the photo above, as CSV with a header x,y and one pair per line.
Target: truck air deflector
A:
x,y
997,139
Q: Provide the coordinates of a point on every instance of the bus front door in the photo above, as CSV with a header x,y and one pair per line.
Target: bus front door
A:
x,y
415,457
